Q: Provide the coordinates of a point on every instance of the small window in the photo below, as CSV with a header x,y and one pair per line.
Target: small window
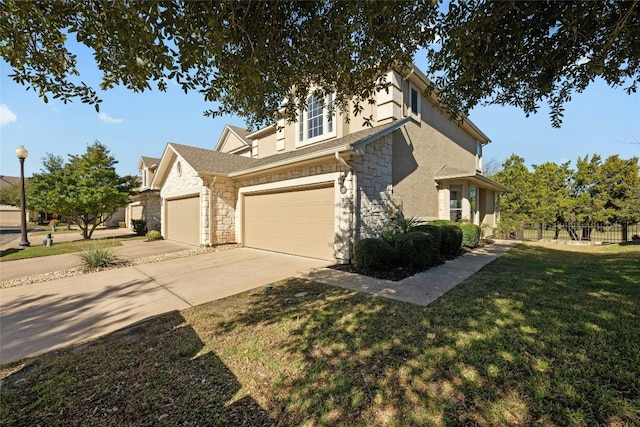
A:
x,y
415,102
479,157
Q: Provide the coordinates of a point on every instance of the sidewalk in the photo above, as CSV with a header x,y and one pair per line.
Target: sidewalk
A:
x,y
130,250
423,288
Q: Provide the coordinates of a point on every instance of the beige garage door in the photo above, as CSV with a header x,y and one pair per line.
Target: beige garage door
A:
x,y
183,220
297,222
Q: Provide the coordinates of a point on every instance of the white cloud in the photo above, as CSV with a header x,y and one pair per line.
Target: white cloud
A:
x,y
108,119
6,115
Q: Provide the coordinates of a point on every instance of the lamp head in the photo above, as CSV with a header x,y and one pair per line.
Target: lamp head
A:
x,y
22,152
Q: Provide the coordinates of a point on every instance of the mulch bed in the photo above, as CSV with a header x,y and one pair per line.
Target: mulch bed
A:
x,y
396,274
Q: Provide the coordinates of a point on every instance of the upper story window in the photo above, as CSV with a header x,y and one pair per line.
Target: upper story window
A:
x,y
478,157
414,102
144,178
315,124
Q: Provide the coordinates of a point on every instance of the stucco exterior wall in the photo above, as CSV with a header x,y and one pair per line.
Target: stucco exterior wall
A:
x,y
420,150
374,188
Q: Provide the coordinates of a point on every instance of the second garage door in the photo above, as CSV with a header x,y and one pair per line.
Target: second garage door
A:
x,y
183,220
299,222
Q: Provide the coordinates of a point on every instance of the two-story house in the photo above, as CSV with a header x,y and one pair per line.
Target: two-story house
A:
x,y
146,203
316,186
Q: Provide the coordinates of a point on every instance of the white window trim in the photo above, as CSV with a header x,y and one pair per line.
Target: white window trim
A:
x,y
302,121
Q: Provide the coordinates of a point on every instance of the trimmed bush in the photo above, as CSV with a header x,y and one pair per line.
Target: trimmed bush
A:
x,y
451,240
433,231
153,235
139,226
471,235
373,255
417,249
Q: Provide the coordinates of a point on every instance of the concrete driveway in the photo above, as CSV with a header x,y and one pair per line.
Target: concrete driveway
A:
x,y
45,316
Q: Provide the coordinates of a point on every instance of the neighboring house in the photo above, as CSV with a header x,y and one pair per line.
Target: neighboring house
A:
x,y
146,203
10,215
315,187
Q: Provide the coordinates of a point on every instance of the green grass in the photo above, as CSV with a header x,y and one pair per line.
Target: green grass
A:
x,y
545,335
38,250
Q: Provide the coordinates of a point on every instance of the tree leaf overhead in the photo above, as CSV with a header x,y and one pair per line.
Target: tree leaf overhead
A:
x,y
248,56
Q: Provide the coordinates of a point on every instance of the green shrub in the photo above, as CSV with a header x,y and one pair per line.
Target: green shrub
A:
x,y
139,226
373,255
451,237
153,235
471,235
434,231
98,257
416,249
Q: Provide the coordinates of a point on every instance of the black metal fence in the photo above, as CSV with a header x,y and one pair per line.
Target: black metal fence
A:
x,y
600,232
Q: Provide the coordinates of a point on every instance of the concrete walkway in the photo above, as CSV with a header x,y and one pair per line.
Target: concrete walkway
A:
x,y
423,288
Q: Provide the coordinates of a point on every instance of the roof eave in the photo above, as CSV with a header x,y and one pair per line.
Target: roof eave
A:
x,y
358,146
477,178
287,162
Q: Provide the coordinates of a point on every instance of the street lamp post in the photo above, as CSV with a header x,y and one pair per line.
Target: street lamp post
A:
x,y
22,154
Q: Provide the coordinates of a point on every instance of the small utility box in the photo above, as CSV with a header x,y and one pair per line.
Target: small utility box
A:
x,y
48,241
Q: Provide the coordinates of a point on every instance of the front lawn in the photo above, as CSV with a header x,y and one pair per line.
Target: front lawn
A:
x,y
37,250
545,335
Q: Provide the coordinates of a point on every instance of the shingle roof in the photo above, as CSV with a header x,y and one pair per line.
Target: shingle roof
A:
x,y
348,140
448,172
9,181
203,160
148,161
209,161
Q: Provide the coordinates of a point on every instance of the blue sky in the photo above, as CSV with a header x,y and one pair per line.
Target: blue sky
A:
x,y
601,120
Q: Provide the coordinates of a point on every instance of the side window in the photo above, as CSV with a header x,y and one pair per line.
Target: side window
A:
x,y
414,102
455,202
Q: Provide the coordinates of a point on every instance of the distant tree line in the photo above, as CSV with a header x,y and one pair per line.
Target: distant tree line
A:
x,y
594,192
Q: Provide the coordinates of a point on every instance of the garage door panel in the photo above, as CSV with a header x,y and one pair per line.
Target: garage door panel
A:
x,y
183,220
299,222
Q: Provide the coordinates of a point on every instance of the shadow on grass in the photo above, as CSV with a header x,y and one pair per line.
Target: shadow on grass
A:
x,y
9,252
153,373
539,336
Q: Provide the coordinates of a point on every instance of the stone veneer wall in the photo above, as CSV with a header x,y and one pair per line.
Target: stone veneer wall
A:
x,y
374,173
221,203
